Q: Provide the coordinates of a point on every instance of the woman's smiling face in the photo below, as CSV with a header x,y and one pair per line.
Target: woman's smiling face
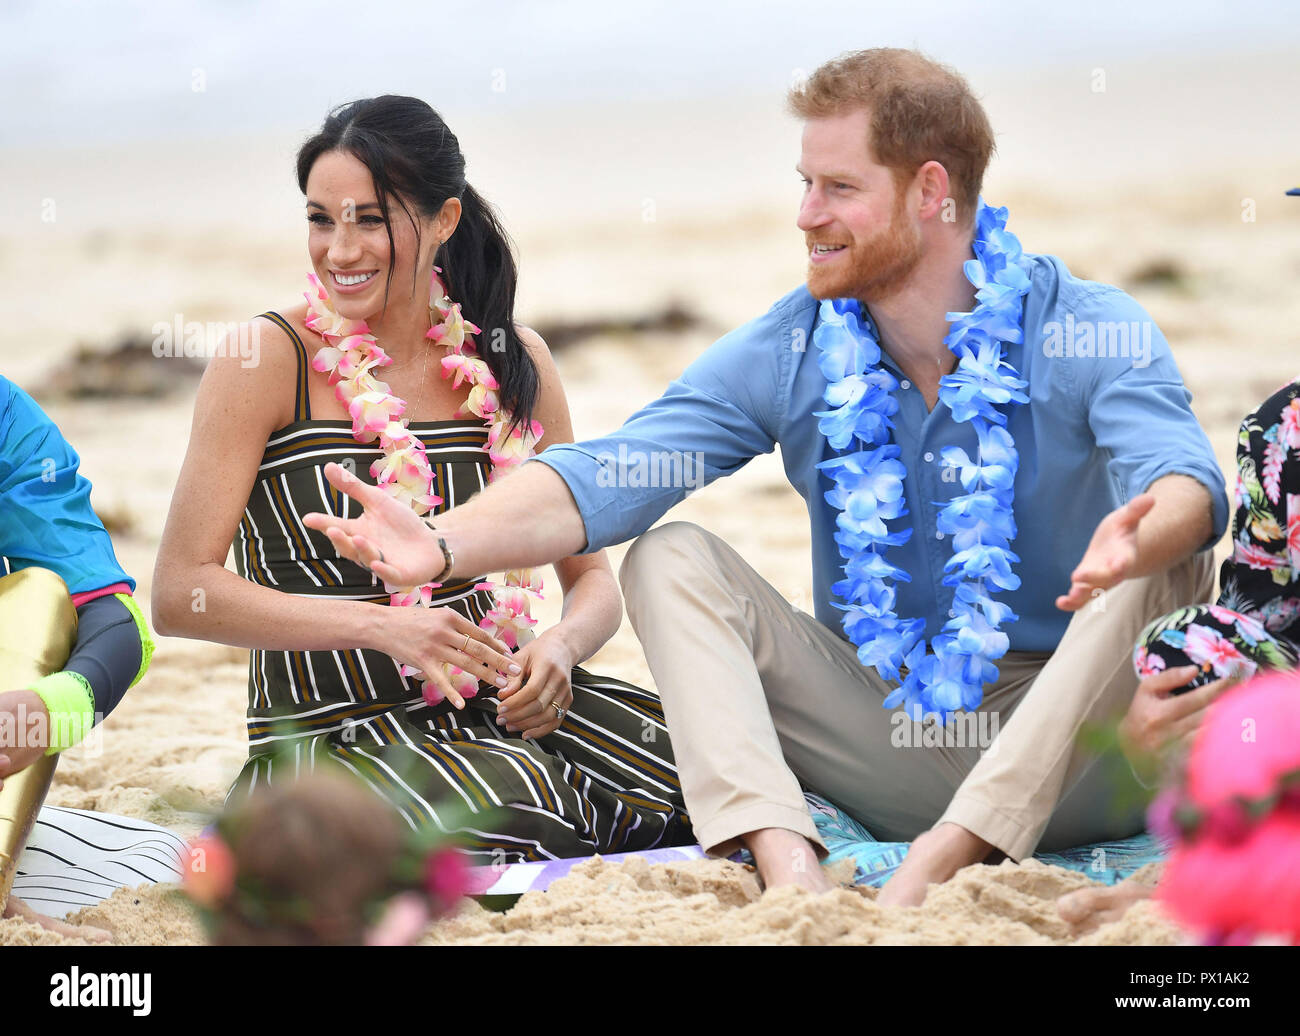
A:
x,y
348,242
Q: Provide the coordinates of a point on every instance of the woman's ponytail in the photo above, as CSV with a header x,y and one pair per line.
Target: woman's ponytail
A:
x,y
478,269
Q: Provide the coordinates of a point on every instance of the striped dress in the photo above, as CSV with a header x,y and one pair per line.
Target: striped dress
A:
x,y
604,781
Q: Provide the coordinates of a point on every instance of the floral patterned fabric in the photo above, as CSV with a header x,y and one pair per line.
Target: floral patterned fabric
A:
x,y
1256,622
1219,640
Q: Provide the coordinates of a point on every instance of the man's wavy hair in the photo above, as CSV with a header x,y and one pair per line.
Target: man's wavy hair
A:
x,y
920,111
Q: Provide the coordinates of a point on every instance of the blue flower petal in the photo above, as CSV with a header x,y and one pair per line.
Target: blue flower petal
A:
x,y
867,483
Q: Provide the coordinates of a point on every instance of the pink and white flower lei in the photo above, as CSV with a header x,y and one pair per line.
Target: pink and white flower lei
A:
x,y
350,357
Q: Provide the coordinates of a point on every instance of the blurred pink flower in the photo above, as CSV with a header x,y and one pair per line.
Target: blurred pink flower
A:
x,y
210,870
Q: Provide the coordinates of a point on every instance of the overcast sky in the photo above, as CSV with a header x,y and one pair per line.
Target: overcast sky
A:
x,y
131,70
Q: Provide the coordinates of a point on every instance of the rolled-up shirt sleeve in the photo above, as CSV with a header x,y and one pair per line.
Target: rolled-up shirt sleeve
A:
x,y
720,414
1138,407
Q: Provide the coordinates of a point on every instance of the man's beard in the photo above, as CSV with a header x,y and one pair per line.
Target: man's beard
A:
x,y
873,270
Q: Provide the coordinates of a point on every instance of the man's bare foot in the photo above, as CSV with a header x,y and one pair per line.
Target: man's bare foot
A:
x,y
17,908
786,858
935,856
1089,909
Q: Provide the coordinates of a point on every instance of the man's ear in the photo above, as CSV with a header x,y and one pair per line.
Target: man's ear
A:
x,y
932,178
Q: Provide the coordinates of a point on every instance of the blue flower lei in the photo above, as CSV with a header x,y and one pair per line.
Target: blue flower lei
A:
x,y
868,484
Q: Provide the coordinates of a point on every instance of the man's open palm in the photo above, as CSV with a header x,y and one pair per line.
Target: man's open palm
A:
x,y
1111,556
386,526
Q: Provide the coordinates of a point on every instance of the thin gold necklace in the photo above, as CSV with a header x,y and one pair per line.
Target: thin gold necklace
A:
x,y
424,377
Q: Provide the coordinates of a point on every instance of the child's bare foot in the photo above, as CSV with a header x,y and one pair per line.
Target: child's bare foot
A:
x,y
1088,909
17,908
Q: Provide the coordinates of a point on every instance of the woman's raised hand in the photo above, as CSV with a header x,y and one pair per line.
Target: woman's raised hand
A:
x,y
387,529
427,637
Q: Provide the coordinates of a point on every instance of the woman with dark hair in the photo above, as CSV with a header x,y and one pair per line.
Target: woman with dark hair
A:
x,y
437,695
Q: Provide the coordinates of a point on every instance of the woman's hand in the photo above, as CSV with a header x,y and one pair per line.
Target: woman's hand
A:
x,y
386,529
427,637
546,680
1158,719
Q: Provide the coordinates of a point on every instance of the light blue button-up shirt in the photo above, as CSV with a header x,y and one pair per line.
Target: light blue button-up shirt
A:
x,y
1108,414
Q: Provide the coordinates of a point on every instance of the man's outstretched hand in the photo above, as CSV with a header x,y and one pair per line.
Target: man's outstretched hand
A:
x,y
1111,556
411,555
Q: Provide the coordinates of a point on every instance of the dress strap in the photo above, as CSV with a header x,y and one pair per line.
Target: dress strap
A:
x,y
302,398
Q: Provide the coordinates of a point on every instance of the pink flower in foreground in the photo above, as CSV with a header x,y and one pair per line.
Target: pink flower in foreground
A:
x,y
448,877
1161,815
210,870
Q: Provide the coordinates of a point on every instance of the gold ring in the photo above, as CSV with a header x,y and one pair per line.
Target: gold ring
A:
x,y
465,645
558,711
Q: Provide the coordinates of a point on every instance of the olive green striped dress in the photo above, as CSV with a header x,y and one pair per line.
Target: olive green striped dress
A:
x,y
604,781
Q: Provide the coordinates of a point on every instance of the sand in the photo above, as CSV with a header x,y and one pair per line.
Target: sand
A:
x,y
701,903
1226,303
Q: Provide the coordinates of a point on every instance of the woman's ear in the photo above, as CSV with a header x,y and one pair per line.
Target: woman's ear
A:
x,y
448,218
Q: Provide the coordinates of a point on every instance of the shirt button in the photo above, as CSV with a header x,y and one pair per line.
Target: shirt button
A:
x,y
952,614
929,457
938,535
905,384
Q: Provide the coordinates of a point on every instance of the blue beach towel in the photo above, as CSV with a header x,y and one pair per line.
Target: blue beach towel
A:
x,y
1104,862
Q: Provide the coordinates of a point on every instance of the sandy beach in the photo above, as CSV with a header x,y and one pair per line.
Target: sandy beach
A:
x,y
143,234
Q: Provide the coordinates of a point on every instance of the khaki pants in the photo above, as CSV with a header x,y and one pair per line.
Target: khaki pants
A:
x,y
761,699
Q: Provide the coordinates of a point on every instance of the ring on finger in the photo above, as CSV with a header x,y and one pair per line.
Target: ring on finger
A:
x,y
559,712
464,648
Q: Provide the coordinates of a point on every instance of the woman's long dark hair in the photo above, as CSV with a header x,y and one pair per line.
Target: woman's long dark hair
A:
x,y
412,155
